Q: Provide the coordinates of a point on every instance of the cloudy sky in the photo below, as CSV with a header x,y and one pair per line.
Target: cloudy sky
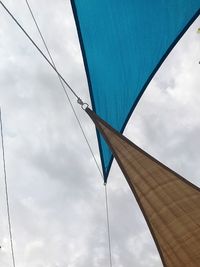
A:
x,y
56,194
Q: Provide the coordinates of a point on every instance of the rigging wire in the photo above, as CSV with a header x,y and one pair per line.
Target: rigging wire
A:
x,y
108,225
6,193
63,86
61,82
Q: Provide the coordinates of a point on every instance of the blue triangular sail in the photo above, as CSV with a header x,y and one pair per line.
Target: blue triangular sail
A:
x,y
124,42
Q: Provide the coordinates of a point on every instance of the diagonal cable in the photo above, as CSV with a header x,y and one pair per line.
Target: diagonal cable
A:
x,y
61,82
63,86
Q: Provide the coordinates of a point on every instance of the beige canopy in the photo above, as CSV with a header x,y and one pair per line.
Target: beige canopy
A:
x,y
170,204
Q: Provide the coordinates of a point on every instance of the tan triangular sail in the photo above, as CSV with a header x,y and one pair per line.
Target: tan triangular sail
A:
x,y
170,204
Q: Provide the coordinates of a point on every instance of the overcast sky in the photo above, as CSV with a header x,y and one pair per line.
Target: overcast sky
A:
x,y
56,194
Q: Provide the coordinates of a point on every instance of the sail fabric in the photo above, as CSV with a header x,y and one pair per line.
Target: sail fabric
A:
x,y
170,204
123,44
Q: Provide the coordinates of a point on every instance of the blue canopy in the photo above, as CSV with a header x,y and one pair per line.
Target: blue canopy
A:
x,y
124,42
